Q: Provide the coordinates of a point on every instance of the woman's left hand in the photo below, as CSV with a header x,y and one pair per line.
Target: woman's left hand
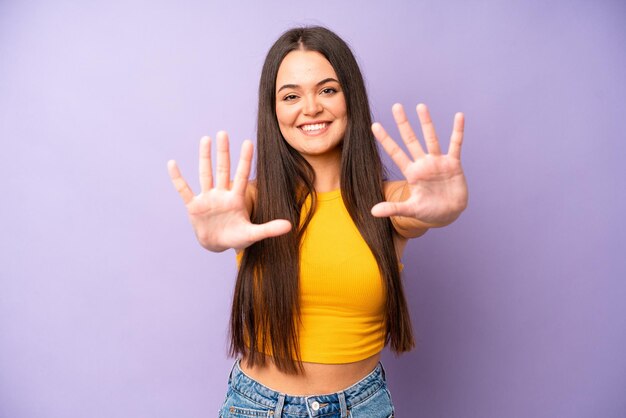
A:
x,y
435,192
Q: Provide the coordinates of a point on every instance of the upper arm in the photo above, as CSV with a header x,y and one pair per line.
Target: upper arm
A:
x,y
396,191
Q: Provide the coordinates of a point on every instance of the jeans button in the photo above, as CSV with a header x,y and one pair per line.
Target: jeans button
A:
x,y
315,405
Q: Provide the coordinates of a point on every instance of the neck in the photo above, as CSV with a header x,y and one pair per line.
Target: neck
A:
x,y
327,173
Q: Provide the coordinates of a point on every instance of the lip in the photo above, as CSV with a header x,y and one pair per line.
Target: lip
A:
x,y
316,131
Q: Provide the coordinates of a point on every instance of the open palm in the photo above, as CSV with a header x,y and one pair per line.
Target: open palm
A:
x,y
219,214
436,187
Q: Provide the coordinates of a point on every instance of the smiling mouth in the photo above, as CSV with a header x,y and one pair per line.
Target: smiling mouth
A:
x,y
314,127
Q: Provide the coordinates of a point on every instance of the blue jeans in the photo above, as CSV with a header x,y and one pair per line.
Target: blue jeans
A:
x,y
248,398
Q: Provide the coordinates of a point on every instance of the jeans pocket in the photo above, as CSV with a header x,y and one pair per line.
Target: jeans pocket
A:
x,y
393,410
238,405
235,411
378,405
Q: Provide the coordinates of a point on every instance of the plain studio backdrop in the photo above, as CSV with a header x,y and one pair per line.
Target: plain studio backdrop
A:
x,y
110,308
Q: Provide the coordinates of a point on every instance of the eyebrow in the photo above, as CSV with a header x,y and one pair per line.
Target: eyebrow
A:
x,y
295,86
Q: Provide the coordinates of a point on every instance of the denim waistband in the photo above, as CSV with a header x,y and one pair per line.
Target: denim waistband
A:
x,y
317,405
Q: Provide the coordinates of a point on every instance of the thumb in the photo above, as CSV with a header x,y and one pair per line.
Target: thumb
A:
x,y
386,209
269,229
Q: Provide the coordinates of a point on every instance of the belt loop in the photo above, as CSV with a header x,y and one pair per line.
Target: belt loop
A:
x,y
342,404
278,411
232,369
382,370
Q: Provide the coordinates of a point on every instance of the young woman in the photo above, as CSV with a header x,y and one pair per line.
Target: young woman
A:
x,y
319,233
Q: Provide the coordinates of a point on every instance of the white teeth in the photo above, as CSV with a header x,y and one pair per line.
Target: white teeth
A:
x,y
314,127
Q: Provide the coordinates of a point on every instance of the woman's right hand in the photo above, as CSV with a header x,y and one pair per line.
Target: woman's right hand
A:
x,y
219,215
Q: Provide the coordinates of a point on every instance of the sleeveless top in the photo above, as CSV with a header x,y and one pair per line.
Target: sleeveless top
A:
x,y
342,294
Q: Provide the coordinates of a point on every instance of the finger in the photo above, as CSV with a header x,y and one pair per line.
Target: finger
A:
x,y
406,131
179,182
243,168
428,129
389,145
205,169
223,161
387,209
456,140
269,229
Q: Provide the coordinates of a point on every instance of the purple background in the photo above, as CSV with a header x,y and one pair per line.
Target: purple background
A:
x,y
109,307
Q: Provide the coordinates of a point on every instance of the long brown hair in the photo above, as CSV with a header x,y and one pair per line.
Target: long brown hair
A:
x,y
266,308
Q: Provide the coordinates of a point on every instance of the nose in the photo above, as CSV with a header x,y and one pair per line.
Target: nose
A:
x,y
311,105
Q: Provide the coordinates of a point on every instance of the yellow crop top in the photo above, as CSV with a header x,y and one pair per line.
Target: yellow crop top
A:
x,y
342,295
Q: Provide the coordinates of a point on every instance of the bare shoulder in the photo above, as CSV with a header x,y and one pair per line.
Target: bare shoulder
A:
x,y
251,193
393,190
406,228
250,198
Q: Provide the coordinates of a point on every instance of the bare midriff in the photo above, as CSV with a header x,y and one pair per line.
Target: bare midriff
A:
x,y
317,378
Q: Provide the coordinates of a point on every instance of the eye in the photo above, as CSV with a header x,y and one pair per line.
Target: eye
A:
x,y
290,97
329,90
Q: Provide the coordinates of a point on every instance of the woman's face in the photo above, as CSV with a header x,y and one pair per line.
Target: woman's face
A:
x,y
310,105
